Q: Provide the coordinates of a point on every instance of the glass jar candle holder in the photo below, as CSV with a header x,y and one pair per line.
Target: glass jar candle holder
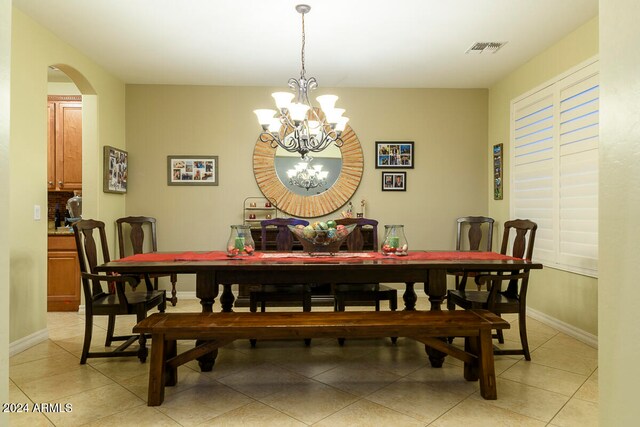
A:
x,y
240,242
395,242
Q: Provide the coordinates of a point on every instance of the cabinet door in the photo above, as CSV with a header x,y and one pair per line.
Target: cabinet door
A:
x,y
63,281
51,146
68,157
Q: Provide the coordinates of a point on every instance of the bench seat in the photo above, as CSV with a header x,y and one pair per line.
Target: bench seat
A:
x,y
214,330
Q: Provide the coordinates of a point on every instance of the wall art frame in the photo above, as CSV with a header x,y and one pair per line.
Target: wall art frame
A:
x,y
115,170
192,170
498,156
394,181
398,155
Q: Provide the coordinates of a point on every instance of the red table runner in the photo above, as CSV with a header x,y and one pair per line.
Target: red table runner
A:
x,y
296,256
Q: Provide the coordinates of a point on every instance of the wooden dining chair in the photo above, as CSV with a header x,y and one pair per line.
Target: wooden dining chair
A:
x,y
136,226
105,295
476,229
513,299
276,295
362,294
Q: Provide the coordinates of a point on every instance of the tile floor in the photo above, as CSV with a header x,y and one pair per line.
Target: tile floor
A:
x,y
284,383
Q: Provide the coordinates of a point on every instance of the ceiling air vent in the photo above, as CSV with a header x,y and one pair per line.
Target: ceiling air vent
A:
x,y
485,47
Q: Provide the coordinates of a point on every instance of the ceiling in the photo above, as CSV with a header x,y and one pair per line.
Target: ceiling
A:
x,y
349,43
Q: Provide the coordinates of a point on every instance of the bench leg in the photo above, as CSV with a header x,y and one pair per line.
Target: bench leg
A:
x,y
486,368
207,361
471,369
156,371
171,374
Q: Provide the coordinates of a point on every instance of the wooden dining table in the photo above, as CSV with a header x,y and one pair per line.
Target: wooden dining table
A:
x,y
215,270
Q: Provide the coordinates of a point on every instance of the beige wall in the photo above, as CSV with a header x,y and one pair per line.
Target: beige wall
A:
x,y
33,49
568,297
449,128
5,105
619,292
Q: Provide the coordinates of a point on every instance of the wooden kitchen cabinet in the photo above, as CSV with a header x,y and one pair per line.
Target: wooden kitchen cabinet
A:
x,y
63,274
64,166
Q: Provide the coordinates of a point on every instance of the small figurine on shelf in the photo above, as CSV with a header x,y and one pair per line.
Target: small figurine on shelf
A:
x,y
268,216
349,212
252,216
361,214
252,204
267,204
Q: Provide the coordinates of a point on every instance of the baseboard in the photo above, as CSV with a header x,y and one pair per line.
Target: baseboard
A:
x,y
81,309
563,327
27,342
183,295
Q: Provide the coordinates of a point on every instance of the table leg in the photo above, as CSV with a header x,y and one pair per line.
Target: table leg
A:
x,y
207,291
226,299
436,288
409,297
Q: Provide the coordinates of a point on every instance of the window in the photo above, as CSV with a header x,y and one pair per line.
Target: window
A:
x,y
554,168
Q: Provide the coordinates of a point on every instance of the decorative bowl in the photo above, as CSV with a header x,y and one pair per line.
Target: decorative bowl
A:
x,y
329,240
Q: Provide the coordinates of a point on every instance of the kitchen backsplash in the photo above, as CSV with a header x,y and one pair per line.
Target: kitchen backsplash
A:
x,y
57,197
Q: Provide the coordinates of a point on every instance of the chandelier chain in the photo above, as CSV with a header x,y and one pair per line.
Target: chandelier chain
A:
x,y
302,72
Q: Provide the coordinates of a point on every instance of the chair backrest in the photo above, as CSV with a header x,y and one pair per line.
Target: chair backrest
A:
x,y
355,241
284,238
88,252
136,224
475,225
524,239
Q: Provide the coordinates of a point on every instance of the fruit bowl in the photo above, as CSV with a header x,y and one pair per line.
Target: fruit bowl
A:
x,y
320,239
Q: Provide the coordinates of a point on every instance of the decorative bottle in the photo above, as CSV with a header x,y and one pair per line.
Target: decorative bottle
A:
x,y
395,243
240,241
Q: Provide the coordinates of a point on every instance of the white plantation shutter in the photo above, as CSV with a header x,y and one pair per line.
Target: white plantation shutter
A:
x,y
554,168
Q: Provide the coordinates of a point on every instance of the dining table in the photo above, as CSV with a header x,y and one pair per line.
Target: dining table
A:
x,y
215,270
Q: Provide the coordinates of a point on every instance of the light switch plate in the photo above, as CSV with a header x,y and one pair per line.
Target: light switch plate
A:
x,y
36,212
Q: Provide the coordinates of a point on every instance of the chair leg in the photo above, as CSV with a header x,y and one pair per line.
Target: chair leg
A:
x,y
155,283
163,305
174,298
88,331
522,324
110,327
143,351
500,336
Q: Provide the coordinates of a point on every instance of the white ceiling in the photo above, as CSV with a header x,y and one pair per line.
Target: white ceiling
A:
x,y
350,43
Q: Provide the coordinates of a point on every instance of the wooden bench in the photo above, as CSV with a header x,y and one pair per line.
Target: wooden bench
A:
x,y
214,330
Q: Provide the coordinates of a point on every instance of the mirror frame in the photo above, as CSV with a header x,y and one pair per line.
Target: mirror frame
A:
x,y
319,204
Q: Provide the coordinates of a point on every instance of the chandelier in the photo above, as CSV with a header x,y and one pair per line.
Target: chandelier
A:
x,y
307,177
297,126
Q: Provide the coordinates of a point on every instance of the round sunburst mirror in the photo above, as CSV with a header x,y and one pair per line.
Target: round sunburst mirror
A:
x,y
345,166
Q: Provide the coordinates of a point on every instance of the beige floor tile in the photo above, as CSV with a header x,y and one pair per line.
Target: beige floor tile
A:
x,y
309,402
254,414
67,383
563,342
63,332
471,412
120,368
357,378
448,378
199,404
140,416
544,377
28,419
263,380
577,413
566,360
589,390
95,404
41,368
416,399
530,401
187,378
40,351
397,359
57,319
365,413
227,363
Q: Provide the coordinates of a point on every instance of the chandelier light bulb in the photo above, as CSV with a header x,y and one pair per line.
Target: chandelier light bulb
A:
x,y
315,127
265,116
298,111
283,99
327,102
333,115
341,124
275,125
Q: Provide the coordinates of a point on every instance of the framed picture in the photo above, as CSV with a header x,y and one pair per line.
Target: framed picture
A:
x,y
192,170
394,181
116,169
497,171
394,155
